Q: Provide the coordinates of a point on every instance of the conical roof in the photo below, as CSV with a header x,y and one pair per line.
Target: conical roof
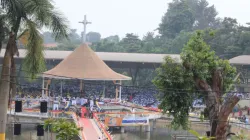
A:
x,y
83,63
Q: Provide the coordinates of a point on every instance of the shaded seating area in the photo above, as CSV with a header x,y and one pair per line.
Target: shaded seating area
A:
x,y
83,64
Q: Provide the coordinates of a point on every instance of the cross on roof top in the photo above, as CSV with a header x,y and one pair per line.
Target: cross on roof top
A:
x,y
84,22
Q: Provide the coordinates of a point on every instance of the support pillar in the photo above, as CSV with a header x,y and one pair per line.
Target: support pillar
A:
x,y
154,123
43,88
61,88
147,128
120,91
147,136
104,89
116,90
122,129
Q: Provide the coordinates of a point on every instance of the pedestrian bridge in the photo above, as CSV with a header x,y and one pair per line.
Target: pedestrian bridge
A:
x,y
133,110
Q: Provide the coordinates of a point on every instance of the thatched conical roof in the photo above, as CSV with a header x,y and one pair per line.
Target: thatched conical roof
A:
x,y
83,63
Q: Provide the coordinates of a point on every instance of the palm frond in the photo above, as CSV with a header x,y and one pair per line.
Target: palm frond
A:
x,y
34,62
38,10
13,6
15,12
5,3
3,29
59,26
44,14
24,37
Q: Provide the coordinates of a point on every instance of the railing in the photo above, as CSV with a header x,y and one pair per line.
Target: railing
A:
x,y
129,113
76,119
186,137
102,127
138,106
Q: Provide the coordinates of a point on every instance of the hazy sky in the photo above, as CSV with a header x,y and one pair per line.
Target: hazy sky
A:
x,y
118,17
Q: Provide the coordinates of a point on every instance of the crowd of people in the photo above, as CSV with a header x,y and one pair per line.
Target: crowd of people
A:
x,y
140,96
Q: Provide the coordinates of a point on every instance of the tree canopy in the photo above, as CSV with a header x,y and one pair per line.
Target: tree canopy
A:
x,y
23,19
64,129
201,74
178,24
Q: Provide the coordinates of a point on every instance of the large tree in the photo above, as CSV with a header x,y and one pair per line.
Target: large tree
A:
x,y
204,14
200,74
93,37
188,15
131,43
178,17
25,18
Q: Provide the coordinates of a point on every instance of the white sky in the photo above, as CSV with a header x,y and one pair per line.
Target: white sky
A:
x,y
118,17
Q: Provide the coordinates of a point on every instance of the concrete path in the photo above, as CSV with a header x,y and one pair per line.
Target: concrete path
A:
x,y
89,130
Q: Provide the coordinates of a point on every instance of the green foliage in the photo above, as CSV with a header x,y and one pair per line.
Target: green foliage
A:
x,y
170,78
225,36
178,81
3,28
48,123
179,41
131,43
171,24
199,137
228,39
93,37
240,136
202,116
65,130
202,62
34,61
27,17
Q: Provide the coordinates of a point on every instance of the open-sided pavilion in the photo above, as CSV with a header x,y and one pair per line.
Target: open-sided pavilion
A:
x,y
84,64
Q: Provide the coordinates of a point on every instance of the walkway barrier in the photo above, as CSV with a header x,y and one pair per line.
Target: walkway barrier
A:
x,y
128,104
98,105
76,120
102,127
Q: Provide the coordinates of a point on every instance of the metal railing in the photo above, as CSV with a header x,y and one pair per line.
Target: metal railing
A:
x,y
76,120
102,127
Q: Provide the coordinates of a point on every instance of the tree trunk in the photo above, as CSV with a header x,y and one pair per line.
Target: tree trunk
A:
x,y
134,75
211,102
225,111
5,85
213,111
13,80
218,110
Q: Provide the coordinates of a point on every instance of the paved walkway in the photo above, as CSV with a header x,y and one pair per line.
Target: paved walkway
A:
x,y
89,130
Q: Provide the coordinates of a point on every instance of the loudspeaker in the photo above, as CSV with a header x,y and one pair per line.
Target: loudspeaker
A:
x,y
208,133
40,130
18,106
43,107
17,129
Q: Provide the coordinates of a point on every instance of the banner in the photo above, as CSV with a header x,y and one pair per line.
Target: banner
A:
x,y
112,121
130,121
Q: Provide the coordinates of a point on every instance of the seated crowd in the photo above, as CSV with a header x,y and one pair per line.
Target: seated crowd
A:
x,y
140,96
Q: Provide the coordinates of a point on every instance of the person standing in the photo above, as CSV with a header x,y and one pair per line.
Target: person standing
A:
x,y
91,103
240,112
82,101
56,104
73,101
130,98
28,101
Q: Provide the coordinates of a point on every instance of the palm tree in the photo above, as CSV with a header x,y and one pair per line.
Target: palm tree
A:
x,y
25,18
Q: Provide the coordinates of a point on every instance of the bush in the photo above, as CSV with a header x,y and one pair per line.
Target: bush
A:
x,y
64,129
